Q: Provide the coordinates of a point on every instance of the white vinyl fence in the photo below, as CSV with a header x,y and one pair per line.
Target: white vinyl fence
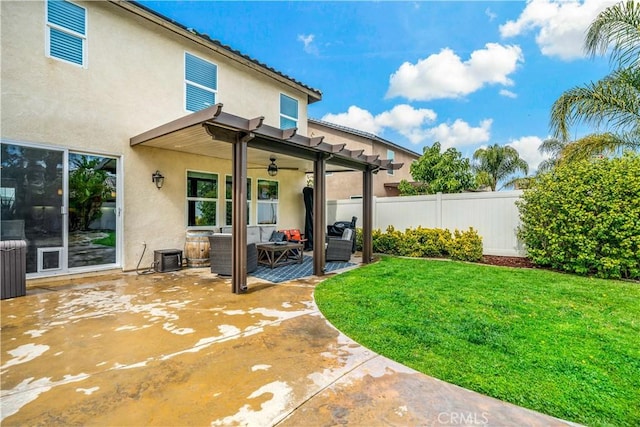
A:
x,y
494,215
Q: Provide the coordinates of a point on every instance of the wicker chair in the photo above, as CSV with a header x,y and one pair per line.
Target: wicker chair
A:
x,y
221,254
339,248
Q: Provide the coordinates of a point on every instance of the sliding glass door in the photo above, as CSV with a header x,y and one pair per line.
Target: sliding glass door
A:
x,y
31,191
62,204
93,211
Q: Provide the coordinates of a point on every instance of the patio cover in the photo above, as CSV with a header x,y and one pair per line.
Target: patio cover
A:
x,y
204,132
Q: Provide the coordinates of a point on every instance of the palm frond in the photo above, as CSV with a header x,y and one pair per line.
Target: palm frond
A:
x,y
617,27
613,101
601,144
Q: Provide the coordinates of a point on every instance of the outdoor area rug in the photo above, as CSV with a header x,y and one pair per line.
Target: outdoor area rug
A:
x,y
295,271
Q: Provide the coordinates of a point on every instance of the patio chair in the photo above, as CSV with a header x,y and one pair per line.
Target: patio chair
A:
x,y
338,228
221,254
339,248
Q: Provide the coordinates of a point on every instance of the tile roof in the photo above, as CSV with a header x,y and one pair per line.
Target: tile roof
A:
x,y
363,134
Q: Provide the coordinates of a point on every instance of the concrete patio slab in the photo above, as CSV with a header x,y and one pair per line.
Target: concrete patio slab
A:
x,y
181,349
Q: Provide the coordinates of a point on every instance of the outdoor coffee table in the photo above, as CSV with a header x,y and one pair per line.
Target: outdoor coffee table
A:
x,y
277,254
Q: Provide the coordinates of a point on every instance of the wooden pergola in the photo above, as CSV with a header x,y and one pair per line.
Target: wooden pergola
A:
x,y
218,127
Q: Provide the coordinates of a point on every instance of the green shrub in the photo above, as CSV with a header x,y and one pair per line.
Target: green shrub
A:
x,y
466,245
427,242
584,217
389,242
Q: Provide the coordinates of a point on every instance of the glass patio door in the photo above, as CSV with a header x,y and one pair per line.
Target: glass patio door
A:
x,y
93,212
62,204
32,204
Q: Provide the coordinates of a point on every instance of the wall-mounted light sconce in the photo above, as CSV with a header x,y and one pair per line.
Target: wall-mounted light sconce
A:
x,y
158,179
272,169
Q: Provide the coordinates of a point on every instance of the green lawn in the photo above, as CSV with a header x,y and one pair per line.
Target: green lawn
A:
x,y
109,240
563,345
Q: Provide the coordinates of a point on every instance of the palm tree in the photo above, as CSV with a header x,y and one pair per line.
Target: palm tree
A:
x,y
597,144
614,101
553,147
497,163
617,25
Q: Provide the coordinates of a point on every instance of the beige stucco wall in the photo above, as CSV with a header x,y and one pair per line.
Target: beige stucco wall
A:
x,y
344,185
133,81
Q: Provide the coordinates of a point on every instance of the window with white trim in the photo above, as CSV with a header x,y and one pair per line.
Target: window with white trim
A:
x,y
229,200
66,32
288,112
202,196
201,83
267,201
390,156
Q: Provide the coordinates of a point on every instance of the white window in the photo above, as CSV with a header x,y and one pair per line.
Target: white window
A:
x,y
229,200
66,31
202,196
390,156
201,83
267,201
288,112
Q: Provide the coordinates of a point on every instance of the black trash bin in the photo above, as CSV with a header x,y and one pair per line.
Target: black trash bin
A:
x,y
13,256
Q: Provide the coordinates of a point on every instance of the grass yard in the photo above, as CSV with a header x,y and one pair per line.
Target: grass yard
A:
x,y
564,345
109,240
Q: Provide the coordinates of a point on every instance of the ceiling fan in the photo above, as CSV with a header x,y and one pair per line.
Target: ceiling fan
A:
x,y
272,168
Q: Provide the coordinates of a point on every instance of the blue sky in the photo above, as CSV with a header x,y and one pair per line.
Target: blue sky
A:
x,y
464,73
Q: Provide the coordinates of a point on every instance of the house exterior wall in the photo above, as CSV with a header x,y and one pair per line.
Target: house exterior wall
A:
x,y
344,185
133,81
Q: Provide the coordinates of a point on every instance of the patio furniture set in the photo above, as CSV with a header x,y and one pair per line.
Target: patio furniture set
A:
x,y
269,247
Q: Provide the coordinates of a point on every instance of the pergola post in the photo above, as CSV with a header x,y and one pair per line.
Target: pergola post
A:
x,y
239,215
367,215
319,214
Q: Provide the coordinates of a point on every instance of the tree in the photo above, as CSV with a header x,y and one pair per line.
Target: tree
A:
x,y
444,172
582,217
553,147
88,188
497,163
614,101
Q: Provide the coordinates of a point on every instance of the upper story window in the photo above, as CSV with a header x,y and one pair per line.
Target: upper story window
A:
x,y
201,83
202,195
66,31
288,112
390,156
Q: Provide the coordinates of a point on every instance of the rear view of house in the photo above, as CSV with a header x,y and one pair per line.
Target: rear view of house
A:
x,y
79,79
123,130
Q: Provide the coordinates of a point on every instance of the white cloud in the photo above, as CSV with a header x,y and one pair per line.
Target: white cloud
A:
x,y
460,133
355,118
560,24
402,118
508,93
492,15
527,147
414,125
307,40
445,75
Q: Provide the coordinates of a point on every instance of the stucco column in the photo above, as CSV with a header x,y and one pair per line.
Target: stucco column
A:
x,y
239,216
367,215
319,214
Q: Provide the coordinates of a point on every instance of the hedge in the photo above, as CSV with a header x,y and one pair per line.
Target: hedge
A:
x,y
426,242
584,217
